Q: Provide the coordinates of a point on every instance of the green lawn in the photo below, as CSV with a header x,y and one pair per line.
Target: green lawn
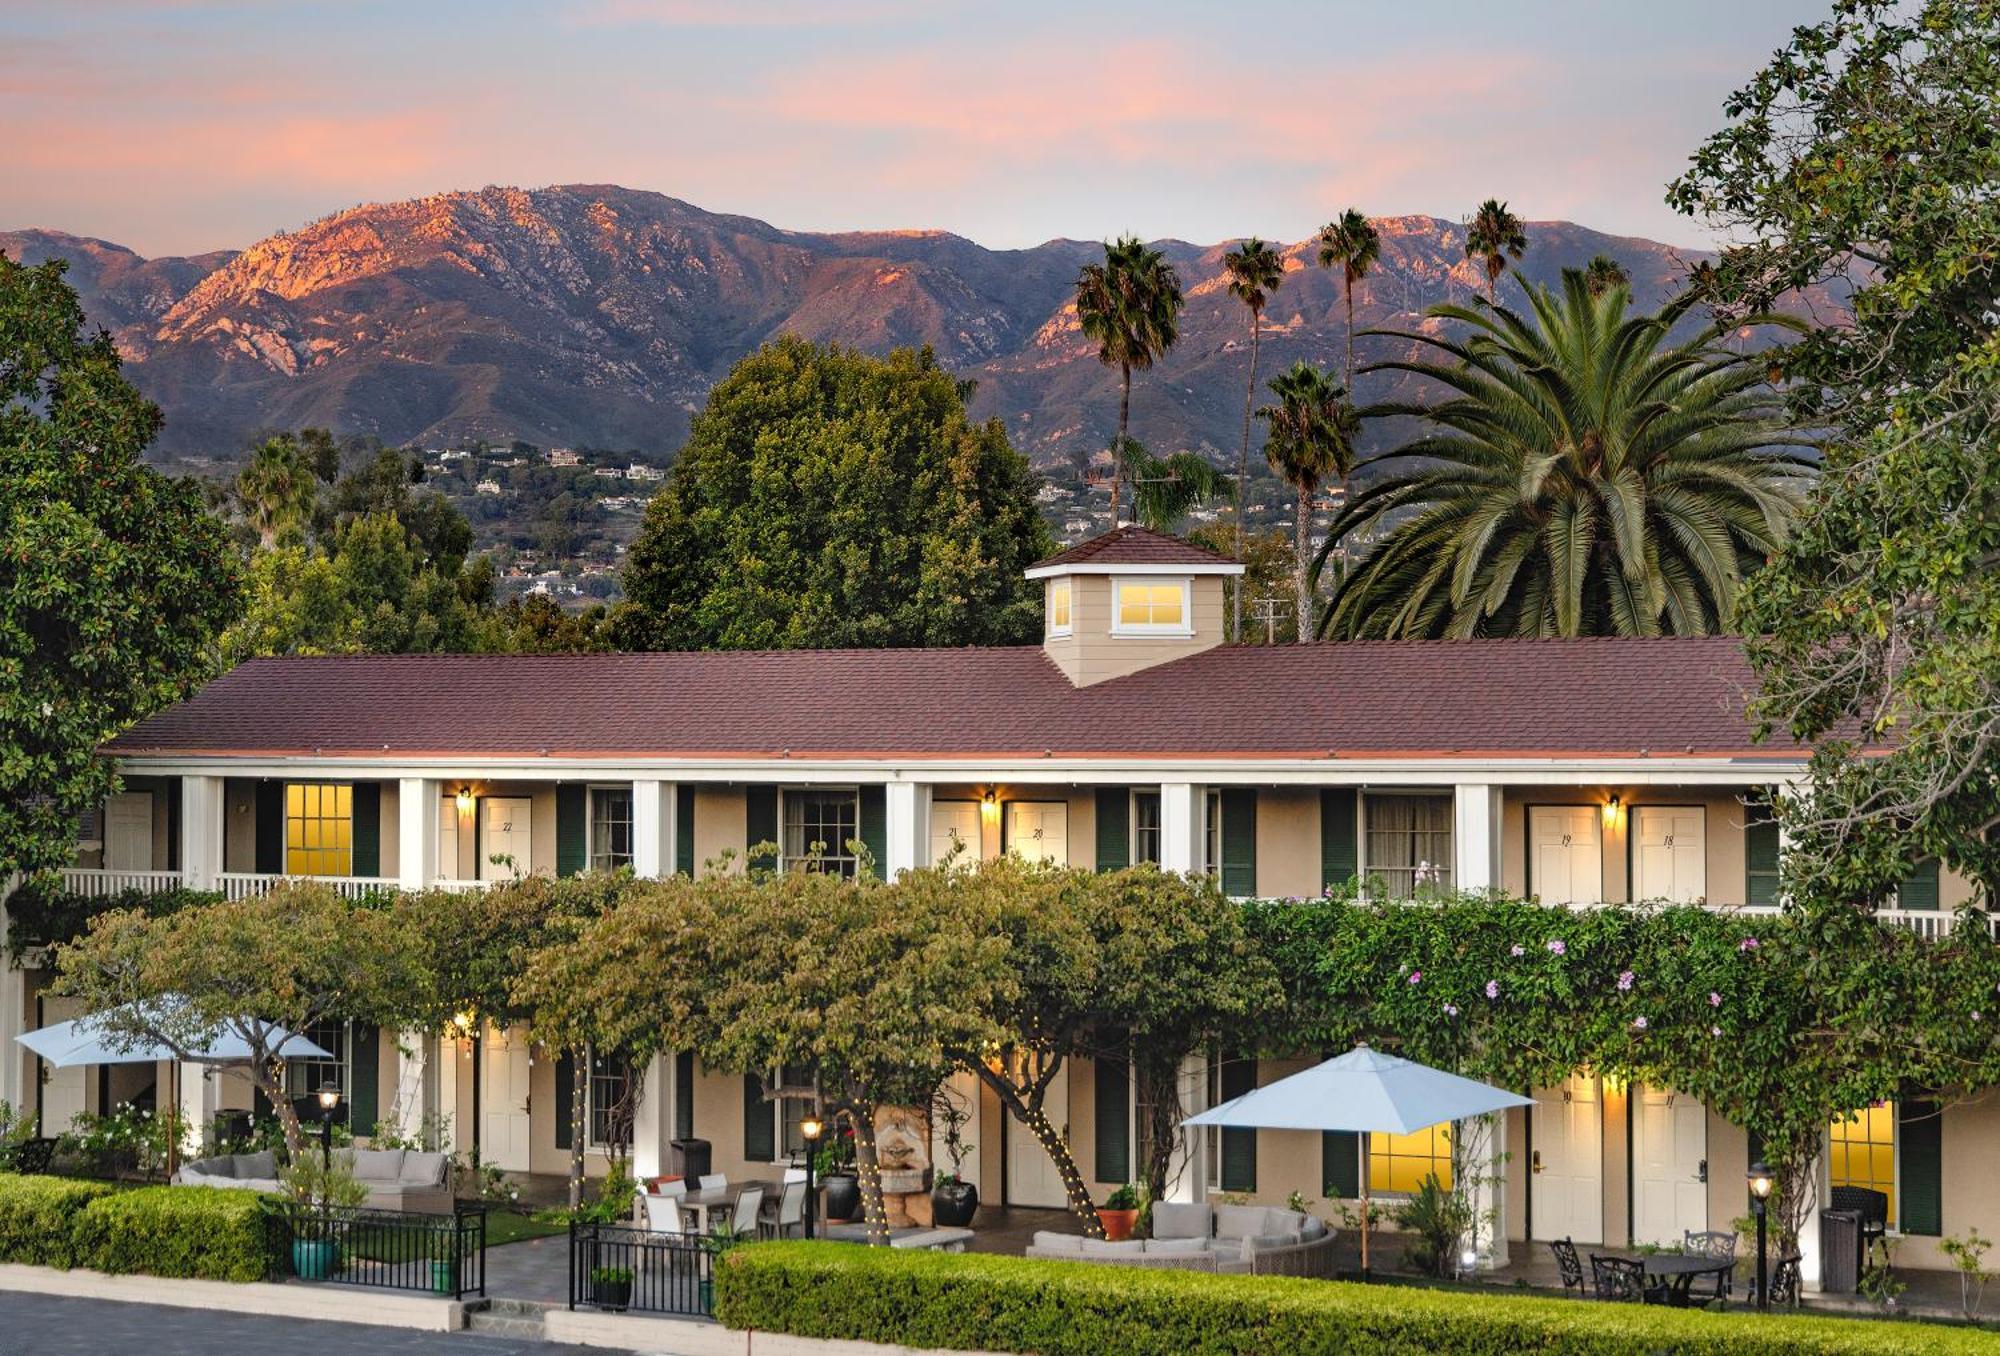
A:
x,y
507,1226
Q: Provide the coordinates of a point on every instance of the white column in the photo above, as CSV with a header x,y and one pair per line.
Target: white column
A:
x,y
652,828
1183,827
201,1098
1485,1142
417,824
652,1123
1476,836
1189,1181
909,828
201,831
1809,1277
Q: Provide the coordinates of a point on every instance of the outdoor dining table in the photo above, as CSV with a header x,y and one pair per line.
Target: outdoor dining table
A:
x,y
1679,1271
702,1200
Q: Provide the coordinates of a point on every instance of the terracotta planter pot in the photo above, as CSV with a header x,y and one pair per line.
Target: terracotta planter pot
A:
x,y
1118,1224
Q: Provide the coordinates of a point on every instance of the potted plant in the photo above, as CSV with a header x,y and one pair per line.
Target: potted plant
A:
x,y
313,1189
834,1164
611,1287
954,1201
1120,1213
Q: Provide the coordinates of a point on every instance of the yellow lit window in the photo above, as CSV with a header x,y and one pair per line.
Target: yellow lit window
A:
x,y
1861,1152
1152,607
1059,607
319,829
1398,1164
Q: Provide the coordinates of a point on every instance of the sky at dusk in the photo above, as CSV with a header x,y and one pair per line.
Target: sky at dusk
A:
x,y
175,126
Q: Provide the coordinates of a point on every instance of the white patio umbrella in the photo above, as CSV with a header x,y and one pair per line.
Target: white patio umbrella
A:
x,y
1362,1091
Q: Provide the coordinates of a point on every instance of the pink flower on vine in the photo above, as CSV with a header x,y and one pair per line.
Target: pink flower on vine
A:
x,y
1556,945
1625,982
1517,950
1747,944
1714,999
1416,976
1492,988
1451,1009
1639,1024
1715,1031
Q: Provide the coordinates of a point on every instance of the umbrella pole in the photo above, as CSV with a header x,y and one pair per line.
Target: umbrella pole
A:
x,y
1365,1221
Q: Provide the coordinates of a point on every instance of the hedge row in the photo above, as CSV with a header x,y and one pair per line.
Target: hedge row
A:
x,y
1011,1304
207,1233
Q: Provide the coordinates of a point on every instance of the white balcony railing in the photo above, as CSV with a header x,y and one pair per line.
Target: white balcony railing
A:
x,y
94,882
244,884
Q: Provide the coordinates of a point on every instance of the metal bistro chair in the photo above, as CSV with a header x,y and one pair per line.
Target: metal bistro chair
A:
x,y
1569,1266
1623,1280
744,1221
787,1212
1719,1244
663,1212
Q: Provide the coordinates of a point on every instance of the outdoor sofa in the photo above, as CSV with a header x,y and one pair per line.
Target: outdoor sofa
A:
x,y
397,1179
1253,1240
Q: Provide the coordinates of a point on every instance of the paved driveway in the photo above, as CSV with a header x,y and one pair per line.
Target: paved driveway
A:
x,y
43,1325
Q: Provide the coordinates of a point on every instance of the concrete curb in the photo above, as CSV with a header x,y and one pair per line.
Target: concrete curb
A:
x,y
699,1337
325,1303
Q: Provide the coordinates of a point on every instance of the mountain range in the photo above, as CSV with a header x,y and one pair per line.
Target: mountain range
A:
x,y
599,316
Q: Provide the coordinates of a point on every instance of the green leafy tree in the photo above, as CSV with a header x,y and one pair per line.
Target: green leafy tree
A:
x,y
280,489
253,968
1166,489
1585,476
1603,273
1313,428
1351,243
1862,159
828,498
1255,270
1130,307
1493,236
116,580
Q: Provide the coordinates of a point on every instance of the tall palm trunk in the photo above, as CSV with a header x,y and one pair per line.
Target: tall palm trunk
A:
x,y
1350,336
1243,467
1118,448
1301,545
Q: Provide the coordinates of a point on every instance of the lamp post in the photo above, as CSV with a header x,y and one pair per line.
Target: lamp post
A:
x,y
1760,1197
811,1127
329,1098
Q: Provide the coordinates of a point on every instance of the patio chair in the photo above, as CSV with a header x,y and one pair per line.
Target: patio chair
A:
x,y
1623,1280
1569,1266
711,1180
744,1221
795,1174
1872,1206
663,1212
34,1156
1716,1243
787,1212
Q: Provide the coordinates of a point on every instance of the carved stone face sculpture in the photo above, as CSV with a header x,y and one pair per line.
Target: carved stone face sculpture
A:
x,y
902,1139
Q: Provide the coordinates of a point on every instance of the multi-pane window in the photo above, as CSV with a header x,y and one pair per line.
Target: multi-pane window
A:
x,y
1861,1152
319,829
610,828
1407,843
304,1076
1145,826
819,828
1398,1164
1145,605
610,1100
1059,604
788,1111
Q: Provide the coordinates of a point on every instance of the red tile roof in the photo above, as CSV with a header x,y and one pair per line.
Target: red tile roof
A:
x,y
1134,545
1524,698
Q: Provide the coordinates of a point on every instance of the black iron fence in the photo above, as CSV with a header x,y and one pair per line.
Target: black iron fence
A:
x,y
392,1249
612,1266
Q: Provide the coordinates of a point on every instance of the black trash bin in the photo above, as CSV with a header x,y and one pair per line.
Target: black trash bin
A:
x,y
691,1157
1840,1251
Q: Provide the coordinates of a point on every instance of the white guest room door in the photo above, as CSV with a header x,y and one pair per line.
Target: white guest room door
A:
x,y
1567,1162
503,1098
128,832
505,831
1669,1157
1669,854
1566,849
954,822
1032,1178
1038,831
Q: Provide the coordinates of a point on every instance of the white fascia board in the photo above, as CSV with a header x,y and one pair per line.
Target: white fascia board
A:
x,y
1093,567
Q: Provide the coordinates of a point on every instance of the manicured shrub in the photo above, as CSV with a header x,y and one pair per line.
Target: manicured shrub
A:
x,y
1051,1308
209,1233
37,1215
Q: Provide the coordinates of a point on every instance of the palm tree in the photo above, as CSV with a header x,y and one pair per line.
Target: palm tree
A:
x,y
1312,437
1355,245
277,489
1131,306
1255,271
1165,489
1491,237
1603,273
1583,476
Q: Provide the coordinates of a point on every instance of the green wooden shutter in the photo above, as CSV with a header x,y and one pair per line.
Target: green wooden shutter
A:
x,y
684,1095
1760,857
1114,827
565,1096
1919,889
1113,1098
1340,1164
684,830
1239,1147
367,832
271,827
874,821
760,1145
760,821
365,1072
174,819
1239,841
572,851
1920,1132
1339,857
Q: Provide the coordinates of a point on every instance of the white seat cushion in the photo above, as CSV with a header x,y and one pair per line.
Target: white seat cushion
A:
x,y
1066,1245
378,1165
1182,1219
1177,1247
1104,1247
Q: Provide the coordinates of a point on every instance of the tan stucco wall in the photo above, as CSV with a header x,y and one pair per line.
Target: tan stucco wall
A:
x,y
721,824
1288,850
1091,654
392,830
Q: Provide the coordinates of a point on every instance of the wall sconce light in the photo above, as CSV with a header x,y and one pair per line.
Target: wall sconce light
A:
x,y
989,804
464,801
1611,811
